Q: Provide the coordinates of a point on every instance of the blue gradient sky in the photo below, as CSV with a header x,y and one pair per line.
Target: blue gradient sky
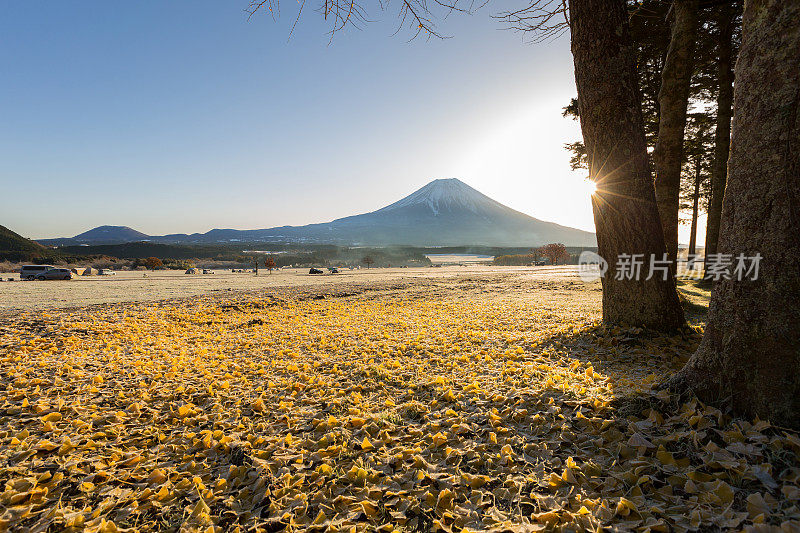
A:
x,y
184,116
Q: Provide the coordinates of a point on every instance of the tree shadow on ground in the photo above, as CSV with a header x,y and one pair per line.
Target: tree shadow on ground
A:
x,y
679,463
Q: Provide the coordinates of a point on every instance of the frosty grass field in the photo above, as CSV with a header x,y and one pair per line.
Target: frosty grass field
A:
x,y
482,400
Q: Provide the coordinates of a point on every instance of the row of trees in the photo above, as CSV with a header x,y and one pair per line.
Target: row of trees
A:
x,y
638,80
554,253
684,52
750,354
270,264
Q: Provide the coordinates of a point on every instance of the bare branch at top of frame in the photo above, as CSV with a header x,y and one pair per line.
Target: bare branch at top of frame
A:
x,y
417,15
544,19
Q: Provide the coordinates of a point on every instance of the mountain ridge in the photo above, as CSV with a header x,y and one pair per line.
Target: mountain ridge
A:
x,y
444,212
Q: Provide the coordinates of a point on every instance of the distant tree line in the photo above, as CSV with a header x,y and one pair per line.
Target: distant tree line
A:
x,y
553,254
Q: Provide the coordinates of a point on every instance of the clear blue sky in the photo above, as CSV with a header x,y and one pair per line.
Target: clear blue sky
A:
x,y
184,116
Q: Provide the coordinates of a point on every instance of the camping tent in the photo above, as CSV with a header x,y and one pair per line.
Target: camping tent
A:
x,y
191,271
77,271
89,271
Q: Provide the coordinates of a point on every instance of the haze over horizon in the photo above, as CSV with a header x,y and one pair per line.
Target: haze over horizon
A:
x,y
184,117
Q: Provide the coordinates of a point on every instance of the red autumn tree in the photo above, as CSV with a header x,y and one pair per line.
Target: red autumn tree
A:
x,y
153,263
269,263
555,252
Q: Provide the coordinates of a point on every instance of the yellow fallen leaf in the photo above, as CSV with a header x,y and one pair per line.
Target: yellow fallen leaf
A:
x,y
51,417
369,509
756,505
445,499
439,439
569,476
625,506
320,519
356,422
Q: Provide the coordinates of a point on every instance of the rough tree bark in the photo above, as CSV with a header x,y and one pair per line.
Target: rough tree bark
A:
x,y
749,357
625,212
722,136
673,101
695,206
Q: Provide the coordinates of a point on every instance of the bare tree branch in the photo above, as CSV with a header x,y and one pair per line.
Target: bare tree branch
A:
x,y
544,19
417,15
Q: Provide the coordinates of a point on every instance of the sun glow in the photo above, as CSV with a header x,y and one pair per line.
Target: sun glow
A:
x,y
591,186
521,150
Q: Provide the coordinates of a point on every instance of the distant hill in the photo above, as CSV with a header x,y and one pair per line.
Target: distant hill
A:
x,y
14,242
99,236
110,234
445,212
15,247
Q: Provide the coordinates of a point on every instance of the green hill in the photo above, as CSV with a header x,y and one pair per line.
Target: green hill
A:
x,y
15,247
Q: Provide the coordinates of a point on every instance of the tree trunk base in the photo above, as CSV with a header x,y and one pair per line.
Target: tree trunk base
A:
x,y
685,383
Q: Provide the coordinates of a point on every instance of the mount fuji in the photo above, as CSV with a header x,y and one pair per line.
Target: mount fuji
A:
x,y
448,212
445,212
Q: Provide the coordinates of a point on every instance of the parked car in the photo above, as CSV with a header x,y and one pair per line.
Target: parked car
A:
x,y
55,273
207,271
106,272
31,271
314,271
333,270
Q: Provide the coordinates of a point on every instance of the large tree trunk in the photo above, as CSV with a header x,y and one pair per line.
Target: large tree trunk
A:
x,y
722,136
695,202
673,101
625,212
750,355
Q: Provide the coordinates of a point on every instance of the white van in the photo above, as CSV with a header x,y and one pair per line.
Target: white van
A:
x,y
31,271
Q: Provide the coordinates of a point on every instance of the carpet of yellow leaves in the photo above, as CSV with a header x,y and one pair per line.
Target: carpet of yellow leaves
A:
x,y
387,413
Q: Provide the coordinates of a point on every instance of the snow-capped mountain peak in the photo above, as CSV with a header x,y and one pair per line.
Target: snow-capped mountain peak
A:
x,y
446,195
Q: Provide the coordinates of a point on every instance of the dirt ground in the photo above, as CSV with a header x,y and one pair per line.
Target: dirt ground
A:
x,y
129,287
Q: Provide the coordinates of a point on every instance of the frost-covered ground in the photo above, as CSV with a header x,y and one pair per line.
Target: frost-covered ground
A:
x,y
483,401
164,284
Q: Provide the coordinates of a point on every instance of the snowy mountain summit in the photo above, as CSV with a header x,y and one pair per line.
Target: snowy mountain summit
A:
x,y
447,195
448,212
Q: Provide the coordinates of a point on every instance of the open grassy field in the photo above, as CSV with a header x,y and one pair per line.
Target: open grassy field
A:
x,y
449,399
137,286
